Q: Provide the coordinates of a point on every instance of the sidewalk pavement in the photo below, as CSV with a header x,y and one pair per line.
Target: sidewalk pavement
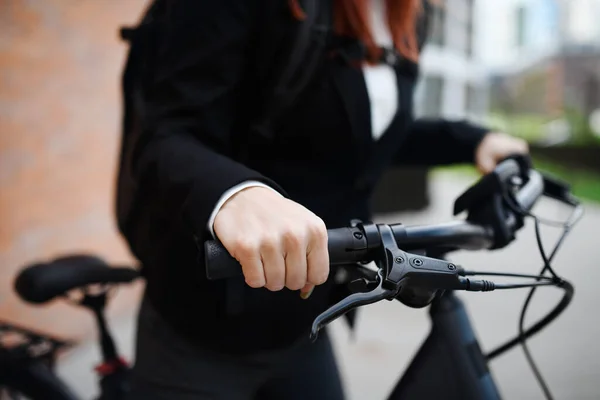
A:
x,y
388,334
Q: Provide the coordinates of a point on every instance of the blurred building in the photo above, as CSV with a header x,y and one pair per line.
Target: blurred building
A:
x,y
578,22
454,81
547,63
518,33
453,84
566,80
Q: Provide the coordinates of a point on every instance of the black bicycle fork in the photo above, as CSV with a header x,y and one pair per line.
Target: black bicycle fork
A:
x,y
449,365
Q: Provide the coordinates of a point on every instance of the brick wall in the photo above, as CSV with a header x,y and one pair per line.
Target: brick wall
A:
x,y
60,65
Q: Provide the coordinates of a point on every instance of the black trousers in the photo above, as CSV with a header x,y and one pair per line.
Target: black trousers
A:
x,y
168,367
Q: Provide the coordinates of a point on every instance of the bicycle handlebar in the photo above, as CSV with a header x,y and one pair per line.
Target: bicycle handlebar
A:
x,y
347,245
482,230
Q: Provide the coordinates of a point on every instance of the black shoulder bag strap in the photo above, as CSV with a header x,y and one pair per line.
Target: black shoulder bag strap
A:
x,y
142,43
306,51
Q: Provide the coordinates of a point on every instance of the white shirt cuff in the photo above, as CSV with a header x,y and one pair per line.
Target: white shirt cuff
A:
x,y
227,195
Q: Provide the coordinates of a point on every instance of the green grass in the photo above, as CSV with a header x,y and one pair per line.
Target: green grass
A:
x,y
531,127
527,126
584,184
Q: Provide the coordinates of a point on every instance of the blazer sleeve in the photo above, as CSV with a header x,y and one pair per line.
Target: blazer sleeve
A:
x,y
432,142
193,107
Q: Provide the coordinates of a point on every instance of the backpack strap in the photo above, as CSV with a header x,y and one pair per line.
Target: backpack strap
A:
x,y
141,39
306,52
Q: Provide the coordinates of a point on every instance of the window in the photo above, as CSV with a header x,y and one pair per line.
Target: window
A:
x,y
470,29
438,22
521,21
473,100
469,51
458,32
433,90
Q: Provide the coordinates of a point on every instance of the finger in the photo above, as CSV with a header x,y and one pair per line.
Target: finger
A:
x,y
524,146
252,266
318,257
295,261
486,165
273,264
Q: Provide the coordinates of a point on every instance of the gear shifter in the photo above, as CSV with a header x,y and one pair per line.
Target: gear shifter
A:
x,y
397,269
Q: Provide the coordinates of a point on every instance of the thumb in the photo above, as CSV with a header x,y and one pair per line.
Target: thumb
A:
x,y
307,291
486,164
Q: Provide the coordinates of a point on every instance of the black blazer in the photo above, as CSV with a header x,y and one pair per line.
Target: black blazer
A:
x,y
214,60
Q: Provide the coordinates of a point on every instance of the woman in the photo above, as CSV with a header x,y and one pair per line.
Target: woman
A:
x,y
229,340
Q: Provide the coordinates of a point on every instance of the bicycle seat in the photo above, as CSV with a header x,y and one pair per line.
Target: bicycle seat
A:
x,y
42,282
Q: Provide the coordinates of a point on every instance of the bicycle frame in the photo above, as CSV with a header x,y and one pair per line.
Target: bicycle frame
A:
x,y
35,377
450,361
27,367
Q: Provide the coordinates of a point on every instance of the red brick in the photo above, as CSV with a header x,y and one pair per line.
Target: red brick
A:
x,y
60,65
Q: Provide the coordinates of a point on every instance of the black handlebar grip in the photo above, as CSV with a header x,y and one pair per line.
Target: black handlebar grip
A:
x,y
529,194
219,263
344,246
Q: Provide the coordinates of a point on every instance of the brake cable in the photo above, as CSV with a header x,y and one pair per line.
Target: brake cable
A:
x,y
554,280
398,264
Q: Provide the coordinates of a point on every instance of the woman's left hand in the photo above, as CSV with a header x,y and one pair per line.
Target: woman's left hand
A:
x,y
495,147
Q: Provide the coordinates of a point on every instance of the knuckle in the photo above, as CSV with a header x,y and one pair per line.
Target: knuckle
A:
x,y
269,242
317,229
254,282
321,274
274,287
295,285
244,248
295,281
292,238
254,279
275,278
253,276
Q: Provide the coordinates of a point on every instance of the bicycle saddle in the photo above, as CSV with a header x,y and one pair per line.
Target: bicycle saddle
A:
x,y
42,282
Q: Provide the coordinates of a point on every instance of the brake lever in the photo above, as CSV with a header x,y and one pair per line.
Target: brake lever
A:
x,y
396,268
343,306
381,292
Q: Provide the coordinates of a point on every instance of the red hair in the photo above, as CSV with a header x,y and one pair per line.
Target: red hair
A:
x,y
351,18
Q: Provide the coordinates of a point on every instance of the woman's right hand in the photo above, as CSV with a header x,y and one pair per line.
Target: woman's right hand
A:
x,y
278,242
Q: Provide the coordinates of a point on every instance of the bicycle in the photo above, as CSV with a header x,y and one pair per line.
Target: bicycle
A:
x,y
450,361
27,373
